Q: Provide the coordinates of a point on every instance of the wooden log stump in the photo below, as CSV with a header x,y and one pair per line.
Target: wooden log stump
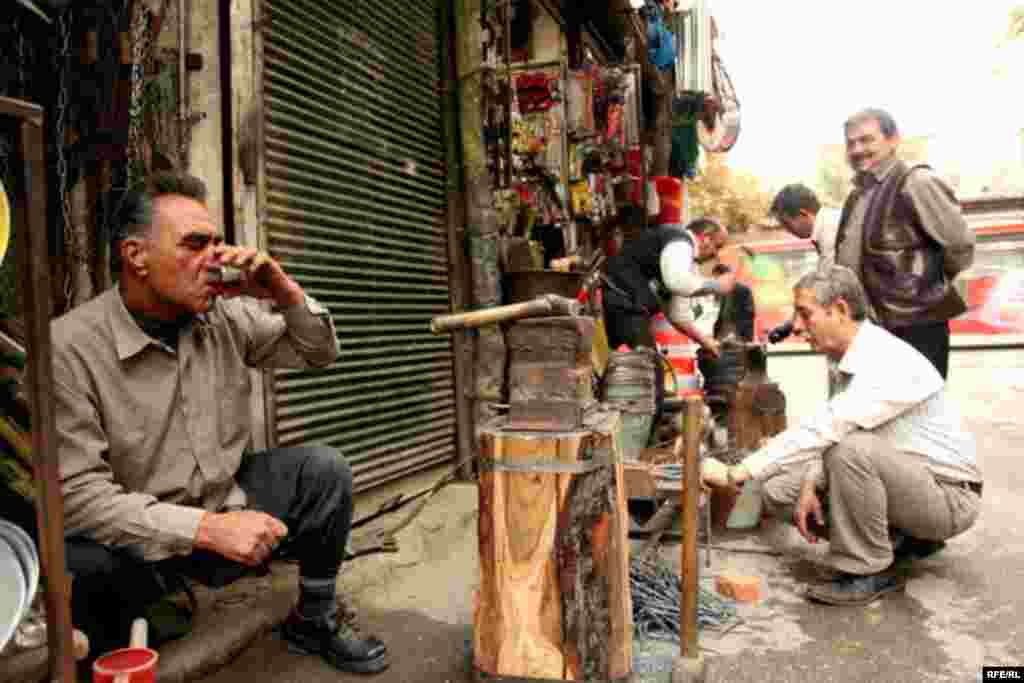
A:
x,y
554,599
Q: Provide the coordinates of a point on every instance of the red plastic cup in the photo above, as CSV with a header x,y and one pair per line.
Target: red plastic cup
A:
x,y
135,664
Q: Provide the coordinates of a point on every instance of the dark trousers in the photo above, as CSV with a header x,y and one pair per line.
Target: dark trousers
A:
x,y
634,329
931,339
307,488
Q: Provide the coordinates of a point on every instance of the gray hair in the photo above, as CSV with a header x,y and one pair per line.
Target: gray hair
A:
x,y
836,282
135,213
886,123
133,217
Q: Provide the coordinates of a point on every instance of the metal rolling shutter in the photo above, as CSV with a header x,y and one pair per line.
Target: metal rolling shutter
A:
x,y
355,206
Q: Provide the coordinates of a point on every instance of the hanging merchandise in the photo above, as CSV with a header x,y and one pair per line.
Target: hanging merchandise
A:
x,y
582,199
729,114
661,50
535,92
685,152
689,113
653,200
553,127
669,192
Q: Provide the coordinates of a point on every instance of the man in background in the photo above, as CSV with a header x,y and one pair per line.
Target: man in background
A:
x,y
736,310
797,209
902,233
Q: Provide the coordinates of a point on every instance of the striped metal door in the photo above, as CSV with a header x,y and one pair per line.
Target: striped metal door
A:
x,y
355,211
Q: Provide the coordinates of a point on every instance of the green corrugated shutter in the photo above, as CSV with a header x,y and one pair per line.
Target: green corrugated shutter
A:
x,y
355,210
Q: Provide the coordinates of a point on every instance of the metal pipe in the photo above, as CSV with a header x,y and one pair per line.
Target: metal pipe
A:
x,y
549,304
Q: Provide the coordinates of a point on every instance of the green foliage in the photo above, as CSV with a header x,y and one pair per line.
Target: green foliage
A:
x,y
735,198
1016,23
158,94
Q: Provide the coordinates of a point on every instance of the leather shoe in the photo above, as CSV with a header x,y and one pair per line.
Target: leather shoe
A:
x,y
855,590
336,642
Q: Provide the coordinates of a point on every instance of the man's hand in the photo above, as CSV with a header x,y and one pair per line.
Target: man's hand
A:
x,y
712,347
807,505
727,282
714,473
245,536
262,276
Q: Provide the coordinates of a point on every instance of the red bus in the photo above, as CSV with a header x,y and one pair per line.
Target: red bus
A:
x,y
993,287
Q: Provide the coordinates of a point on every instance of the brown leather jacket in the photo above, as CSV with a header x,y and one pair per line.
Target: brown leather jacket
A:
x,y
906,271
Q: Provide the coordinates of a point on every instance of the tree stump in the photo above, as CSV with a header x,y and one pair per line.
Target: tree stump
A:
x,y
554,599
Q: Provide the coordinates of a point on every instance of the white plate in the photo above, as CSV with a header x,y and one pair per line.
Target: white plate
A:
x,y
27,555
12,592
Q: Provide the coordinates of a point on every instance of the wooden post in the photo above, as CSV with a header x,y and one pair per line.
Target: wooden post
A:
x,y
34,285
489,353
455,215
693,425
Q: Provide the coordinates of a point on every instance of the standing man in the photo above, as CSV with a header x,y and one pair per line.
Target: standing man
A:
x,y
797,208
152,398
736,310
888,456
902,233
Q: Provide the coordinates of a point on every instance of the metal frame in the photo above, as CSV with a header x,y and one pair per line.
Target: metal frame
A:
x,y
34,285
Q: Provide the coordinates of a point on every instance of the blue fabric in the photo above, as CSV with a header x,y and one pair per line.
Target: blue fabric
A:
x,y
661,50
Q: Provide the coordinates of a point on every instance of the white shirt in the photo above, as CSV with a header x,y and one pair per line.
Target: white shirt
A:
x,y
826,224
894,392
681,279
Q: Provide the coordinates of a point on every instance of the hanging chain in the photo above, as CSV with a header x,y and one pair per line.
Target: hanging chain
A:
x,y
20,43
60,127
140,35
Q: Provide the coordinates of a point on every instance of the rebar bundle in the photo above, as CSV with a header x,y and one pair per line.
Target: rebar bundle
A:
x,y
656,591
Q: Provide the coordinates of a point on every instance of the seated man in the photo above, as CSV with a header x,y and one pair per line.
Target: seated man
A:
x,y
152,384
888,453
736,310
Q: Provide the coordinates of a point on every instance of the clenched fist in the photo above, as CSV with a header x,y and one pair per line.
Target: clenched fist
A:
x,y
245,536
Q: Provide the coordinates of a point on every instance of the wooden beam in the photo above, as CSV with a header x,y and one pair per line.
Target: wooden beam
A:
x,y
34,285
20,109
455,215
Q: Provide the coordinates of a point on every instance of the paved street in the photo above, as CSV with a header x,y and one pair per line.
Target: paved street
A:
x,y
962,608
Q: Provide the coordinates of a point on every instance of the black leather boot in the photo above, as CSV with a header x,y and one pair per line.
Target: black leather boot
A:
x,y
336,642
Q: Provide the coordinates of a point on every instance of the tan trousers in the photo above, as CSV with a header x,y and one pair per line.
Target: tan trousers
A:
x,y
870,489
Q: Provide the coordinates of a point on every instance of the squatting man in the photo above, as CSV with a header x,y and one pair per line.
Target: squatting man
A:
x,y
885,469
